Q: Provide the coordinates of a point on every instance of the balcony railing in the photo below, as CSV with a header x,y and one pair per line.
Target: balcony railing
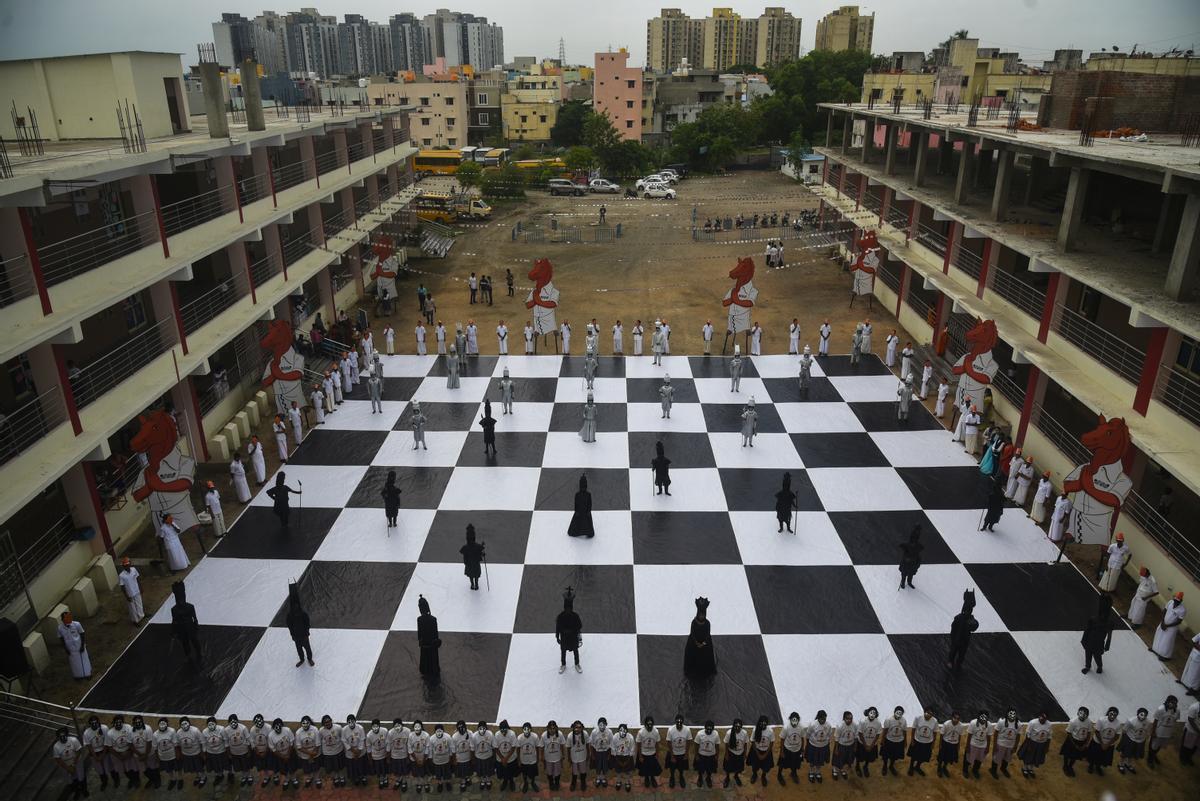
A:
x,y
934,240
1104,346
340,279
1058,434
329,161
334,223
1179,391
67,258
889,276
205,308
297,248
897,218
16,280
113,484
21,428
122,361
1180,548
190,212
356,151
262,270
918,304
17,573
1020,294
1009,389
967,261
872,201
379,141
247,365
289,175
253,189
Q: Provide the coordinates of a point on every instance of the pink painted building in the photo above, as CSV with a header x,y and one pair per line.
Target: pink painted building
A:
x,y
617,92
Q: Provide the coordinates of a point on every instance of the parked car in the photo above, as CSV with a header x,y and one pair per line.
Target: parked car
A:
x,y
679,169
669,173
652,179
603,186
561,186
659,189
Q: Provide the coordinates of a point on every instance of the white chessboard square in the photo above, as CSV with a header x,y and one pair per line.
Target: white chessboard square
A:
x,y
921,449
929,606
815,541
362,535
549,544
1016,538
433,389
666,598
861,489
693,489
325,486
855,388
785,366
535,690
345,661
457,607
521,366
718,390
644,366
237,592
685,417
819,418
836,672
513,488
775,451
355,415
567,449
527,416
442,449
573,389
409,366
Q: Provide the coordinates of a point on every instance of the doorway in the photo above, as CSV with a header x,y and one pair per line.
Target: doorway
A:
x,y
174,106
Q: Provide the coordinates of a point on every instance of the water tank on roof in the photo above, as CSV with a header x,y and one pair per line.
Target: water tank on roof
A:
x,y
363,83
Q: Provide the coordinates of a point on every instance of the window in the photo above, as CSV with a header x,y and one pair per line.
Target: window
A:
x,y
450,122
449,101
628,104
1189,355
424,120
631,84
481,98
524,118
135,312
427,142
542,118
628,123
483,118
424,101
404,101
452,141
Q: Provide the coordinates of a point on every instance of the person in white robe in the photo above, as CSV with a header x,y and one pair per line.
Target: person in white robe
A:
x,y
866,335
74,641
639,335
327,391
666,337
177,558
237,473
280,429
618,339
355,373
439,336
419,332
892,341
823,345
1191,679
756,340
212,502
368,346
389,338
939,408
1147,590
529,339
1118,556
318,403
297,421
706,334
964,408
564,333
926,378
1037,512
1164,635
906,359
336,379
502,339
472,338
258,459
794,337
1014,467
128,579
1024,479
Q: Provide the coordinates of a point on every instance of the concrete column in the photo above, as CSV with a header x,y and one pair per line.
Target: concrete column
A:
x,y
252,95
354,259
239,268
214,100
1033,187
966,157
1004,173
339,145
868,148
847,132
389,131
79,486
1185,258
889,162
367,135
922,156
1165,215
829,129
226,180
372,185
346,199
1072,213
163,301
308,155
191,424
274,246
325,293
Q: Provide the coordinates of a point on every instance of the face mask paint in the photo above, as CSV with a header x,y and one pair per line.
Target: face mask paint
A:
x,y
184,725
162,726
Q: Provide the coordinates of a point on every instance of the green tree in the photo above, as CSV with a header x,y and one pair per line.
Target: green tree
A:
x,y
470,174
599,133
581,159
503,182
819,77
524,152
568,127
796,151
716,137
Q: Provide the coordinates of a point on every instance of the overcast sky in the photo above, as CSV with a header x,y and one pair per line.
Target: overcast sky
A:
x,y
30,28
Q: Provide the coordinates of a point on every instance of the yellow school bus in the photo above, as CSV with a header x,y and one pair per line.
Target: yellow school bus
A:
x,y
437,162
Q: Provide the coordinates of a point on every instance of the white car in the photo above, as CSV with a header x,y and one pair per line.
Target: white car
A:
x,y
603,186
659,189
652,179
667,172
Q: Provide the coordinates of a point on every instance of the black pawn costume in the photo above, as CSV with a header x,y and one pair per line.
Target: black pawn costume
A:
x,y
298,626
785,502
662,469
581,521
391,499
961,629
472,554
699,658
1097,635
995,507
489,428
567,627
185,627
279,494
910,557
428,640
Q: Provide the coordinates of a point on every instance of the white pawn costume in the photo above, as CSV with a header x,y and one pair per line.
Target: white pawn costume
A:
x,y
506,393
375,392
529,336
856,346
638,335
749,423
439,336
1044,489
756,340
389,338
823,345
706,333
666,337
667,394
418,426
657,343
327,391
355,374
502,339
794,338
618,340
564,331
1147,588
805,368
1164,635
735,370
905,394
238,473
588,432
890,354
1191,679
452,368
591,343
347,376
926,377
589,370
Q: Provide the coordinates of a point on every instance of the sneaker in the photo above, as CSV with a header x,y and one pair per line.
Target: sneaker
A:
x,y
562,669
737,778
578,669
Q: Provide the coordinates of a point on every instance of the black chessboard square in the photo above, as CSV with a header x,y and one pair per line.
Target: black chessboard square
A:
x,y
684,449
154,673
787,390
469,686
420,487
996,676
610,417
946,487
752,490
330,448
873,538
503,533
837,366
839,450
513,449
525,390
743,680
882,416
606,367
351,595
718,366
645,390
394,389
442,416
684,538
258,535
824,599
468,366
603,598
727,417
558,485
1036,596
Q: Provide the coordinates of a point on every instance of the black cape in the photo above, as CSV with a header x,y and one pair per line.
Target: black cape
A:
x,y
566,629
581,521
472,554
662,471
391,500
429,642
489,429
699,658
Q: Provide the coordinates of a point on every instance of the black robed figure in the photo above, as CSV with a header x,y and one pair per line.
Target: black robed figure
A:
x,y
428,640
581,522
699,658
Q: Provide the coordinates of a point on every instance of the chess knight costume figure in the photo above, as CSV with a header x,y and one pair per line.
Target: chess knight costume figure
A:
x,y
285,372
1097,489
543,298
740,299
976,368
865,266
167,478
386,266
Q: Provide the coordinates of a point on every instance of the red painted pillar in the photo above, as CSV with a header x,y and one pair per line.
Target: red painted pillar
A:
x,y
249,274
191,387
939,316
949,247
68,393
89,476
35,264
1027,407
1048,307
178,317
1150,367
237,199
913,208
986,263
162,229
271,181
905,277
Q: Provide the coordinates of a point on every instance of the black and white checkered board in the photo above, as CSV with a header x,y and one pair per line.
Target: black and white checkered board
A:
x,y
800,622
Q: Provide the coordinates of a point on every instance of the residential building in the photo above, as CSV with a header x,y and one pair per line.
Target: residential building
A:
x,y
237,39
728,40
720,41
463,39
617,93
408,42
441,117
1144,63
745,88
967,74
1085,256
1064,60
138,283
311,44
778,38
483,101
356,47
673,39
845,29
529,107
679,97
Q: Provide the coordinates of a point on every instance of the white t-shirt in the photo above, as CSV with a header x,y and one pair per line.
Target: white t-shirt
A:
x,y
68,752
165,743
308,742
577,747
978,733
924,729
281,742
1039,732
819,734
397,739
331,740
647,740
765,740
869,731
553,746
483,744
622,744
792,736
895,729
952,732
377,743
736,744
678,739
438,748
94,739
527,748
214,740
191,741
707,743
238,739
601,739
845,734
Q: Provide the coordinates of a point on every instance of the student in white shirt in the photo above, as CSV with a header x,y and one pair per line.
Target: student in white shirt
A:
x,y
1037,742
418,750
143,753
308,750
483,747
166,751
1166,718
678,739
1075,744
735,753
191,752
1104,742
895,740
332,752
354,743
506,756
600,741
577,752
464,755
762,751
398,759
708,742
69,756
216,751
281,744
870,731
817,751
952,731
1133,740
554,747
920,748
528,747
979,738
439,750
623,747
649,767
237,740
845,740
791,748
260,748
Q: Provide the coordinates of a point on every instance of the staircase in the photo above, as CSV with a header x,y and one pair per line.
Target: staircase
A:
x,y
27,769
436,244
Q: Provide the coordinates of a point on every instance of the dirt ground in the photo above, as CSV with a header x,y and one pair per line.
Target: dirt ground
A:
x,y
653,270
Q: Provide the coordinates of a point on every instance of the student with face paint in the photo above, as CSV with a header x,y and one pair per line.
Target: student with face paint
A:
x,y
119,745
708,742
438,749
678,738
1007,732
418,751
142,749
1191,734
1165,719
461,747
1037,742
1075,744
483,749
735,753
600,741
870,731
216,751
1104,741
528,746
920,748
308,749
623,747
647,740
979,738
895,739
817,752
577,751
260,749
237,738
952,731
354,744
1133,740
762,751
506,756
333,752
845,742
791,748
71,758
191,752
398,759
281,745
166,752
554,746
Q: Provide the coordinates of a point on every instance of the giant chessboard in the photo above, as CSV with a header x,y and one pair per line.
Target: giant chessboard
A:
x,y
801,622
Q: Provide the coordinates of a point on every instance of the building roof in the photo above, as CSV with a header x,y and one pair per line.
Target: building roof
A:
x,y
97,53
